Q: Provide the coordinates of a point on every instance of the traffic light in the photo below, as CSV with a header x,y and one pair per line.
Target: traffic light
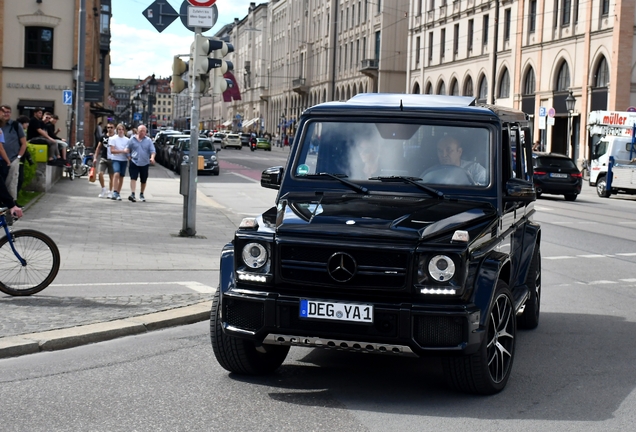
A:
x,y
179,67
209,55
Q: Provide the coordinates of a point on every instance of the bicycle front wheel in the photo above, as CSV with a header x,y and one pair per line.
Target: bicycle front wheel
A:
x,y
42,263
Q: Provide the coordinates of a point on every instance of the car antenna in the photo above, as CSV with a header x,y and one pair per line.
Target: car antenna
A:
x,y
401,107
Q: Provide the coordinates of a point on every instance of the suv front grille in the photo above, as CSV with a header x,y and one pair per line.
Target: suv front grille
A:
x,y
376,268
438,331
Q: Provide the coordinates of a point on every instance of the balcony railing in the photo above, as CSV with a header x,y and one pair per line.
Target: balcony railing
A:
x,y
299,86
369,67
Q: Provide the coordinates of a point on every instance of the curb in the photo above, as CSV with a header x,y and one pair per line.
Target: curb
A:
x,y
53,340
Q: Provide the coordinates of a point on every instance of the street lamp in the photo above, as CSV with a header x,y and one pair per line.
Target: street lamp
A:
x,y
570,101
152,91
144,100
136,108
282,128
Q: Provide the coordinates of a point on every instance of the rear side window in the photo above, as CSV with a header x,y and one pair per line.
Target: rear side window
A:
x,y
552,162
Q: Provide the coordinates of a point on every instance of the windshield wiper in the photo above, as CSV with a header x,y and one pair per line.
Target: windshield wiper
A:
x,y
341,178
412,180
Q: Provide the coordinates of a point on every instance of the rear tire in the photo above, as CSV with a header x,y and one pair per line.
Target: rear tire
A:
x,y
241,356
530,318
42,263
487,371
570,197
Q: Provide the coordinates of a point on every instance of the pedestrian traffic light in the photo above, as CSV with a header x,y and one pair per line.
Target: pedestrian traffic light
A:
x,y
179,67
209,55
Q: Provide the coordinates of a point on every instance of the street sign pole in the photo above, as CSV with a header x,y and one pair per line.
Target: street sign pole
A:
x,y
190,201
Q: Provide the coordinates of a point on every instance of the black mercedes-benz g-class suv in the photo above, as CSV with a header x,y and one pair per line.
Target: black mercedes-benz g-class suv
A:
x,y
403,225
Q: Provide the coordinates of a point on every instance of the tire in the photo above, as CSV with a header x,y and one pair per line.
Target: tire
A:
x,y
570,197
241,356
601,188
530,318
487,371
42,263
77,167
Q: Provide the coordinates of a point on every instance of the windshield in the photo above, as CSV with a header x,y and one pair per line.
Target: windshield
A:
x,y
436,154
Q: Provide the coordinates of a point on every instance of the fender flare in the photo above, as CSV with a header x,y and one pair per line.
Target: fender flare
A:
x,y
227,279
486,281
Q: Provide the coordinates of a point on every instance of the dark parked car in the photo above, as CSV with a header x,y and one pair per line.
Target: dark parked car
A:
x,y
245,139
556,174
160,141
381,241
180,153
163,153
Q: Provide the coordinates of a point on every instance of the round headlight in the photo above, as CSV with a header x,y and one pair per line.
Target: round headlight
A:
x,y
212,158
441,268
254,255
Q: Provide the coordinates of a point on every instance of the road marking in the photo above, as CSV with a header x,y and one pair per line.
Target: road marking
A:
x,y
627,280
627,254
560,257
193,285
601,282
594,256
245,177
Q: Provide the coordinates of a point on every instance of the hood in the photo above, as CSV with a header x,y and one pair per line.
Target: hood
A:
x,y
391,217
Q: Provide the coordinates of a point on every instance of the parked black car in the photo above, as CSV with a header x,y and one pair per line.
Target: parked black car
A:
x,y
408,231
245,139
556,174
180,153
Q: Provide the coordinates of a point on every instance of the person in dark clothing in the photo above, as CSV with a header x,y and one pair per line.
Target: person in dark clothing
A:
x,y
37,134
52,130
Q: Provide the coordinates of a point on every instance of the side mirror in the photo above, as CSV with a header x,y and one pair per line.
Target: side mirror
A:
x,y
520,190
272,177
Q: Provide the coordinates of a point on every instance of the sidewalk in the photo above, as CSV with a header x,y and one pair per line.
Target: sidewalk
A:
x,y
124,269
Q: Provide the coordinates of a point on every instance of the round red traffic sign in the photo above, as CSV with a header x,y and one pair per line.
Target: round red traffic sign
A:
x,y
202,3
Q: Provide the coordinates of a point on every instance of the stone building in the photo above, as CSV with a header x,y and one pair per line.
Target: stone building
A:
x,y
38,51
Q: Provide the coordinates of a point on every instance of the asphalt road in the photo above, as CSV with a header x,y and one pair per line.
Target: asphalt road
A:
x,y
575,372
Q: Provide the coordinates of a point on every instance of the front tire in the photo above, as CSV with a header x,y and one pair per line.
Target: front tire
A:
x,y
42,263
601,188
487,371
242,356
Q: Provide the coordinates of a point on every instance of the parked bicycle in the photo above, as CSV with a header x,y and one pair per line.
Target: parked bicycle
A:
x,y
81,160
29,260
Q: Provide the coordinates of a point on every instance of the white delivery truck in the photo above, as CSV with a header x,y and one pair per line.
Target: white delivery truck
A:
x,y
611,136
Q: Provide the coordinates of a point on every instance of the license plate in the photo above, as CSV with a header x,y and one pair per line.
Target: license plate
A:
x,y
558,175
336,311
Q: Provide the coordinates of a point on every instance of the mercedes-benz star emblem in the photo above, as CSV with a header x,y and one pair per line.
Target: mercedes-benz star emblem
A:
x,y
341,267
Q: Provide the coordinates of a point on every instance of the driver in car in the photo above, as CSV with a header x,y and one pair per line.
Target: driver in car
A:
x,y
449,152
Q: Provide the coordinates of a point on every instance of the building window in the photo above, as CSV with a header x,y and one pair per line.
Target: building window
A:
x,y
431,5
601,77
38,50
532,16
507,16
417,50
468,87
430,47
454,88
456,39
504,85
471,28
442,44
429,88
483,90
576,11
377,45
485,31
563,78
379,6
565,12
529,83
605,5
419,7
441,89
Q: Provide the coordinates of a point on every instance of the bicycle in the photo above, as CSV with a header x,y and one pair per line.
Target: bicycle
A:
x,y
29,260
81,159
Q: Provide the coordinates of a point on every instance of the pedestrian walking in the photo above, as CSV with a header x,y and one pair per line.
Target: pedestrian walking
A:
x,y
119,156
105,164
15,146
142,154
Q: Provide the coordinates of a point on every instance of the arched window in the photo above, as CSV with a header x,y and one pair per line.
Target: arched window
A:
x,y
454,88
468,87
563,78
529,83
601,77
429,88
441,88
483,90
416,88
504,85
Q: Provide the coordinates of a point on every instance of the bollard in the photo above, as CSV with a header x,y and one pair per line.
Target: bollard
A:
x,y
185,179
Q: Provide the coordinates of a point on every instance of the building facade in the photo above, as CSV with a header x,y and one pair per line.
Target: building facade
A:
x,y
38,49
537,54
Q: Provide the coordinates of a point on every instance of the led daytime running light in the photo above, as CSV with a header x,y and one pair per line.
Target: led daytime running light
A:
x,y
438,291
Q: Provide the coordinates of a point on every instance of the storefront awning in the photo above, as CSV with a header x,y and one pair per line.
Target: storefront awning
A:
x,y
28,104
227,123
251,122
100,111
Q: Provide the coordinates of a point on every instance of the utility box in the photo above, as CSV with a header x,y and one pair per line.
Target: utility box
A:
x,y
40,151
184,171
201,163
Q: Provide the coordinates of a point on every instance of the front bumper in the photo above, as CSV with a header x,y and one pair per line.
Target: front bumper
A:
x,y
267,317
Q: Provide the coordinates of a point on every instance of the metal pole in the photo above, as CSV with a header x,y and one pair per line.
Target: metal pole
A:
x,y
79,89
190,200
